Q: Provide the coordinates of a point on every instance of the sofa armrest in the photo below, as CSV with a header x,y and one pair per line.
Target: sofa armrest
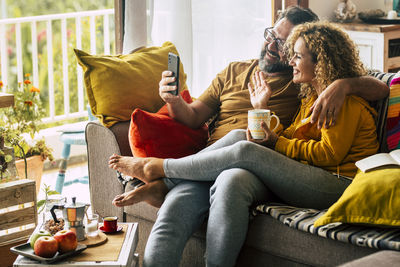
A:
x,y
103,182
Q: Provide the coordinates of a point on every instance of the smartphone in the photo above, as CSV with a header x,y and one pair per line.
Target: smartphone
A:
x,y
173,66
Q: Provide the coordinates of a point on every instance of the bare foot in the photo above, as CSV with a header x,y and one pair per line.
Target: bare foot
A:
x,y
152,193
145,169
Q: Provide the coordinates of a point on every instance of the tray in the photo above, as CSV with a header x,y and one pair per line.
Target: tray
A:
x,y
26,251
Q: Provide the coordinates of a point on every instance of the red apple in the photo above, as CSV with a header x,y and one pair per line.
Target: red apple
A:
x,y
67,240
46,246
36,235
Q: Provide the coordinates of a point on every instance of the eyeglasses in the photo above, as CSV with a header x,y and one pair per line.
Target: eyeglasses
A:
x,y
270,37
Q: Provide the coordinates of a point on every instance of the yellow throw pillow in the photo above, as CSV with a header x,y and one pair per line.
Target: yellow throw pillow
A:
x,y
116,85
372,198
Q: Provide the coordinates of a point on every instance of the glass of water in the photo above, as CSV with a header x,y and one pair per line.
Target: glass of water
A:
x,y
92,224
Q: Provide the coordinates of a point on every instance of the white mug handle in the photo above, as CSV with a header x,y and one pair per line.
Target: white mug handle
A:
x,y
277,121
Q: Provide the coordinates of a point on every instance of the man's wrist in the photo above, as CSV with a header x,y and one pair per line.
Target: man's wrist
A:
x,y
346,85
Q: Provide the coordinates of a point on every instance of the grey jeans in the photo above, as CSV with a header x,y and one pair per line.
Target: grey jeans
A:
x,y
294,182
227,202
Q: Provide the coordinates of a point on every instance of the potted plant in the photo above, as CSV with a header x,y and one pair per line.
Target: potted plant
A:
x,y
21,123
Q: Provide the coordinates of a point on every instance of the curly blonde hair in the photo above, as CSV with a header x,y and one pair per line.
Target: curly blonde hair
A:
x,y
335,54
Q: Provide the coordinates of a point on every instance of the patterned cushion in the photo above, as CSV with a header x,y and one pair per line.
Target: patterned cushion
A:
x,y
303,220
393,115
381,107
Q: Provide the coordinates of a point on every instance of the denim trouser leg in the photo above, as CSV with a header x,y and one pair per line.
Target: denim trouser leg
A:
x,y
232,195
295,183
229,139
183,211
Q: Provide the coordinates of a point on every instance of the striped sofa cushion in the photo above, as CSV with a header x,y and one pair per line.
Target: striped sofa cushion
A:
x,y
387,131
303,219
393,115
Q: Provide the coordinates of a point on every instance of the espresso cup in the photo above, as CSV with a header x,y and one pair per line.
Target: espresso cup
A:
x,y
110,223
255,117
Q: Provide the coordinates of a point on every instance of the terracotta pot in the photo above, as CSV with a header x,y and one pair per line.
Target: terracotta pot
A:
x,y
35,169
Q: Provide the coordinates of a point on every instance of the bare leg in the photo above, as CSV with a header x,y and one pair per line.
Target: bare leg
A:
x,y
145,169
152,193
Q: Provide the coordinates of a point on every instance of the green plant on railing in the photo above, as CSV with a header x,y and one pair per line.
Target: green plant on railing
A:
x,y
26,114
22,121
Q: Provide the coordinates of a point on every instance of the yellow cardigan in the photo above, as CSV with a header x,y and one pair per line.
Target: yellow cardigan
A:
x,y
337,148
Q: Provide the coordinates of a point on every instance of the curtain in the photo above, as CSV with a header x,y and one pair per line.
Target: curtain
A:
x,y
207,33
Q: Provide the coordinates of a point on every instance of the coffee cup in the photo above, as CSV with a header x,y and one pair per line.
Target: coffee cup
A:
x,y
255,117
110,223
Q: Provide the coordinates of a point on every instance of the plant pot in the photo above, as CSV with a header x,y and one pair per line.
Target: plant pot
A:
x,y
35,169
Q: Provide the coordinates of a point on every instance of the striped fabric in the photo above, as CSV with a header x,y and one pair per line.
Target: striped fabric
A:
x,y
303,219
382,107
393,115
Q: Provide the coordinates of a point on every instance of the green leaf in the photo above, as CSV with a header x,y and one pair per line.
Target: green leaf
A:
x,y
40,203
8,158
52,192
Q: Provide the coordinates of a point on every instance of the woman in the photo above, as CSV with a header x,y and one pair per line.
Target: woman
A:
x,y
304,166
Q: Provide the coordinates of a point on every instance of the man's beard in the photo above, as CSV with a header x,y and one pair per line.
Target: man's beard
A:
x,y
279,66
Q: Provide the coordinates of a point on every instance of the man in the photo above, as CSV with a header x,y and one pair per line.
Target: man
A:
x,y
227,202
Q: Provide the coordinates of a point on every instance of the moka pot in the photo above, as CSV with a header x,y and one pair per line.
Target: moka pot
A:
x,y
73,214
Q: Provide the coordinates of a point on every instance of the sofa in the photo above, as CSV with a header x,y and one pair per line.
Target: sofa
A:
x,y
269,242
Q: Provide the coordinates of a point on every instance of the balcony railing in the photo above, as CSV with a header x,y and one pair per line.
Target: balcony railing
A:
x,y
48,56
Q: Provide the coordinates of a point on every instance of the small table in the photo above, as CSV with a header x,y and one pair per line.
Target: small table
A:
x,y
127,256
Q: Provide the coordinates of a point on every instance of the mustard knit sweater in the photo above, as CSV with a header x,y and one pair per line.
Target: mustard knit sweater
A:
x,y
337,148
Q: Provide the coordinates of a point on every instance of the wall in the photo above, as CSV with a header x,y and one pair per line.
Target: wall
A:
x,y
324,9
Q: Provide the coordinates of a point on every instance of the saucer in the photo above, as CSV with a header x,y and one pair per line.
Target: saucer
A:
x,y
119,229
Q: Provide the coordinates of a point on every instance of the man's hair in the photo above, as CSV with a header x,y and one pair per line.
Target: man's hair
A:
x,y
298,15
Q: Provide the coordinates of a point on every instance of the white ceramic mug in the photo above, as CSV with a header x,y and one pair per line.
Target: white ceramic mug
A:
x,y
255,117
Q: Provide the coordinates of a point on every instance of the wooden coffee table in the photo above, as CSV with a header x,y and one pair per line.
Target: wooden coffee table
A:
x,y
125,241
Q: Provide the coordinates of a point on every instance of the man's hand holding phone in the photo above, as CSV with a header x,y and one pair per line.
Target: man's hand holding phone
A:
x,y
169,84
165,89
173,66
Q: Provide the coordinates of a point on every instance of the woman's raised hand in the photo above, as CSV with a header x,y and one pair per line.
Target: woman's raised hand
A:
x,y
165,89
260,91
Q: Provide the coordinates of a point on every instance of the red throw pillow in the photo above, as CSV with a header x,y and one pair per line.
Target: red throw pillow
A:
x,y
158,135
